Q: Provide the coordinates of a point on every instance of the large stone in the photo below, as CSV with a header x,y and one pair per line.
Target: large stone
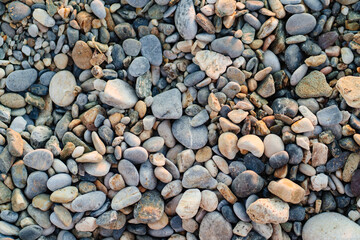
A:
x,y
308,23
125,197
18,11
167,105
88,202
247,183
287,190
151,49
21,80
82,54
214,227
189,204
40,159
227,145
214,64
185,19
150,208
313,85
349,88
198,177
230,46
330,225
62,88
266,210
119,94
251,143
190,137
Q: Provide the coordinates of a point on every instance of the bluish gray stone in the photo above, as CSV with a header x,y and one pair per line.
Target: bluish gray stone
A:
x,y
21,80
139,66
229,45
136,155
190,137
167,105
308,23
329,116
18,11
58,181
36,184
194,78
88,202
185,19
151,49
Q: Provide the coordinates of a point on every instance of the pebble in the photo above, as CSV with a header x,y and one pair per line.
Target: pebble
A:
x,y
329,116
150,208
308,24
185,19
62,92
287,190
43,17
228,145
151,49
254,184
213,225
329,225
313,85
125,197
40,159
119,94
190,137
167,105
346,83
189,204
251,143
88,202
268,210
18,11
21,80
98,9
230,46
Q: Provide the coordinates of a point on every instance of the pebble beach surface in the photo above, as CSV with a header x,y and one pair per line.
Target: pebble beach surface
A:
x,y
180,119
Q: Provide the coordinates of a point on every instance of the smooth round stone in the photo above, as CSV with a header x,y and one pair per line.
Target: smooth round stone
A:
x,y
136,155
185,19
9,216
355,183
40,159
297,8
295,153
279,159
137,3
125,197
268,210
154,144
293,57
150,208
273,144
189,204
314,5
31,232
21,80
18,11
98,9
194,78
58,181
253,163
247,183
129,172
147,176
351,97
198,177
119,94
82,54
329,116
330,225
294,28
167,105
59,224
131,47
36,184
230,46
33,31
286,106
346,55
62,88
151,49
271,60
43,17
139,66
190,137
214,226
88,202
99,169
297,213
227,145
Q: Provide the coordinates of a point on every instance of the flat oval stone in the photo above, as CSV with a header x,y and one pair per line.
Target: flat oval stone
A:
x,y
247,183
39,159
190,137
229,45
308,23
88,202
185,19
58,181
43,17
271,60
125,197
151,49
136,155
129,172
62,88
82,54
286,106
330,225
99,169
21,80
